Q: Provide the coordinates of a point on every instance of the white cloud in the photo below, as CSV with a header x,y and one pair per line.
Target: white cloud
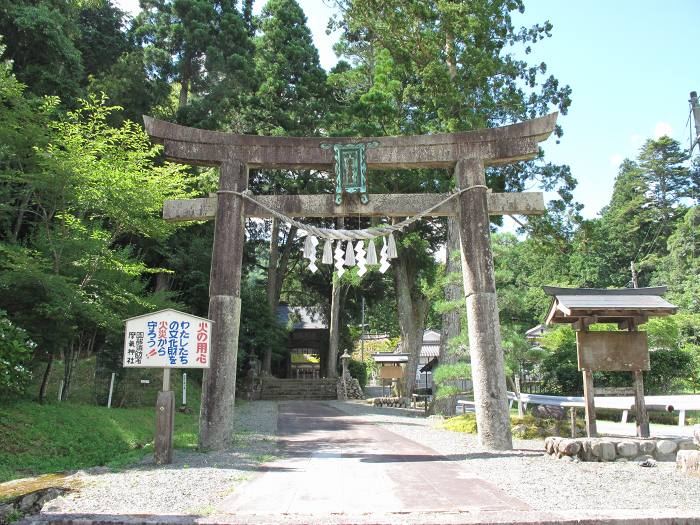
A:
x,y
616,159
662,128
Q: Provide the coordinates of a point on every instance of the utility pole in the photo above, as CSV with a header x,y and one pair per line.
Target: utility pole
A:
x,y
695,107
633,268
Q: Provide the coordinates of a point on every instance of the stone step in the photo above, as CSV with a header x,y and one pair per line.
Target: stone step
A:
x,y
305,389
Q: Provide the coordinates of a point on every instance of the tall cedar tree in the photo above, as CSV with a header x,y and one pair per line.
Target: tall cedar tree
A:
x,y
204,47
290,100
420,67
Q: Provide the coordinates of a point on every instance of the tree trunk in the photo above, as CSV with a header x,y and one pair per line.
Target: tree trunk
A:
x,y
451,320
20,216
276,271
185,75
45,380
412,307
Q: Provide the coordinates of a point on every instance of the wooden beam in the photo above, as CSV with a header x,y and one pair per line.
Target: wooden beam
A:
x,y
642,417
442,150
589,396
380,205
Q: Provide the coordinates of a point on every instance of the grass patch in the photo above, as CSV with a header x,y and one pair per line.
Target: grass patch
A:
x,y
526,427
39,439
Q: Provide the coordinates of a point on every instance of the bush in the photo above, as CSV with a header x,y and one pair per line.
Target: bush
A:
x,y
358,370
15,353
526,427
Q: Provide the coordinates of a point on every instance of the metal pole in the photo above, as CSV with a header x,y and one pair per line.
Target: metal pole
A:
x,y
184,388
111,389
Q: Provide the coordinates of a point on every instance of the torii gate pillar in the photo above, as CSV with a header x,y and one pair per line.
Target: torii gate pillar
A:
x,y
219,382
488,374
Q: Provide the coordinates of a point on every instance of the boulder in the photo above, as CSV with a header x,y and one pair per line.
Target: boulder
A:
x,y
687,445
604,450
28,501
666,446
647,447
627,449
586,453
569,447
553,444
688,462
548,412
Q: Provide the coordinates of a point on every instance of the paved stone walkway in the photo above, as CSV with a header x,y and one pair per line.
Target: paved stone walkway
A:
x,y
336,464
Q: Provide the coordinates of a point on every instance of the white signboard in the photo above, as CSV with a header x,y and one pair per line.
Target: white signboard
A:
x,y
167,339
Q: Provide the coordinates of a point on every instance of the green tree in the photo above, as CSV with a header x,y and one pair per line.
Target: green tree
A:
x,y
15,354
292,93
40,38
204,47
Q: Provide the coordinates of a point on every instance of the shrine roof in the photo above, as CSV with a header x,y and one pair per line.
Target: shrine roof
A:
x,y
606,305
302,318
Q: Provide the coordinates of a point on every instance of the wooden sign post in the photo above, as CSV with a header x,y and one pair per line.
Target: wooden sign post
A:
x,y
166,339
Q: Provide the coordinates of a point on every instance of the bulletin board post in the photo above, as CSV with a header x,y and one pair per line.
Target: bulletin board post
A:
x,y
166,339
165,422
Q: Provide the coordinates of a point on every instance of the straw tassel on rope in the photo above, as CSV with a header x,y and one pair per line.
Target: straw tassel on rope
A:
x,y
327,252
371,253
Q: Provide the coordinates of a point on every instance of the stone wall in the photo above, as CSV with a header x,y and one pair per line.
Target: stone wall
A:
x,y
617,448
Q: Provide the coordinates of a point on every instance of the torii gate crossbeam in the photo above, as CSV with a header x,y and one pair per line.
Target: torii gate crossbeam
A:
x,y
467,153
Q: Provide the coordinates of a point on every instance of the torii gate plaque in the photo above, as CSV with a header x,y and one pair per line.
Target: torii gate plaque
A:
x,y
467,153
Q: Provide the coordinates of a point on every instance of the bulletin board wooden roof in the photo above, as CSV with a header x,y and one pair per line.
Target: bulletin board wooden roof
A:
x,y
602,305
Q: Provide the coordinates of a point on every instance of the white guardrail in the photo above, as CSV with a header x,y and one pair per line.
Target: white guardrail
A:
x,y
678,403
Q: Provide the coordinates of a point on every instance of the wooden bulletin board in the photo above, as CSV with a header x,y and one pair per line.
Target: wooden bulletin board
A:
x,y
391,372
612,351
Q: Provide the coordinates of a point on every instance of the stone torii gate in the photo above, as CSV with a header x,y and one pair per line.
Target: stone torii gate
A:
x,y
467,153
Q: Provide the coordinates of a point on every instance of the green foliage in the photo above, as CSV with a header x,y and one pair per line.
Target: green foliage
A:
x,y
15,353
358,370
465,424
259,328
292,94
38,439
559,369
669,370
445,376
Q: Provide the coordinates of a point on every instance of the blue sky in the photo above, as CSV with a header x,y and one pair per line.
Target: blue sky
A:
x,y
630,64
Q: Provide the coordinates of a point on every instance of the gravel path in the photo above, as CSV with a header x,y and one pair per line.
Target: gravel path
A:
x,y
544,483
196,483
193,484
